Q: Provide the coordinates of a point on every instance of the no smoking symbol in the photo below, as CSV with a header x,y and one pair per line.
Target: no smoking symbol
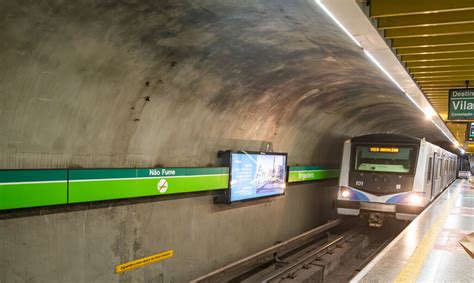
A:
x,y
162,186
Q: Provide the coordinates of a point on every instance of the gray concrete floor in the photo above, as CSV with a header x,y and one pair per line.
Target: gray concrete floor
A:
x,y
444,259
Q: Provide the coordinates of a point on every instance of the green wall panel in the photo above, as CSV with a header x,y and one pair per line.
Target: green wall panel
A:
x,y
30,188
104,184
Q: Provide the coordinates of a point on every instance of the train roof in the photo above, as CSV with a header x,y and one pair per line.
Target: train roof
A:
x,y
385,138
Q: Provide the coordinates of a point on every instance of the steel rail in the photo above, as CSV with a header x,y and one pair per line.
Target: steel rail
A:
x,y
303,260
311,256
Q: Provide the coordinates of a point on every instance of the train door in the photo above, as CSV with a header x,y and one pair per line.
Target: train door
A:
x,y
444,174
439,173
433,174
442,163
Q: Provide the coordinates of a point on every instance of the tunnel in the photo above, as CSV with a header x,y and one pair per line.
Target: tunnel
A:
x,y
143,84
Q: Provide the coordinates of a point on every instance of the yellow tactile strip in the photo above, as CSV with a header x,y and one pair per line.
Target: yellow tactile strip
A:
x,y
413,267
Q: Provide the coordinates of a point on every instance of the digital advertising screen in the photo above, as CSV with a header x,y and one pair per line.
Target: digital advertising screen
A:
x,y
256,175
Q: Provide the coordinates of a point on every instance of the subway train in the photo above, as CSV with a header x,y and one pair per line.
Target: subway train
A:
x,y
392,175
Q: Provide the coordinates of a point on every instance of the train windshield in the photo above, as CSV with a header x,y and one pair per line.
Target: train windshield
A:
x,y
384,159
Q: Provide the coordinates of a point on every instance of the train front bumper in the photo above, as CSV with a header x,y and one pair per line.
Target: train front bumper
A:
x,y
401,211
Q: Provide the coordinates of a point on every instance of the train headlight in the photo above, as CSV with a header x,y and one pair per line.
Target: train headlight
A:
x,y
345,193
414,199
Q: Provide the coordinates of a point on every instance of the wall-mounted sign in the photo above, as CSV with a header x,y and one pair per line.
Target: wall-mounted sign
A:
x,y
85,185
311,173
256,175
461,104
143,261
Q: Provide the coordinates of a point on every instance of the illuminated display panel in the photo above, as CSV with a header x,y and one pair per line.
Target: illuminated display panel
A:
x,y
385,149
256,175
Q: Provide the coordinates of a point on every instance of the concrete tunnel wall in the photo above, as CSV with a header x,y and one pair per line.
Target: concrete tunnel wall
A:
x,y
169,83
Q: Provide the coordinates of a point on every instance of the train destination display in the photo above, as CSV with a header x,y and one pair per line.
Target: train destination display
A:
x,y
461,104
256,175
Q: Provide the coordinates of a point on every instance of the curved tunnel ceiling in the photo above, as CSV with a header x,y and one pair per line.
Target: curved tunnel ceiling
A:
x,y
147,83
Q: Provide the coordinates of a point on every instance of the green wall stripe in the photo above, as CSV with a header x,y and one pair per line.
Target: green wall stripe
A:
x,y
129,188
31,195
307,168
142,178
79,174
30,188
9,176
312,174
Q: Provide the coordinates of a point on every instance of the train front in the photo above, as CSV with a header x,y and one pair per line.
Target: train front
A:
x,y
377,179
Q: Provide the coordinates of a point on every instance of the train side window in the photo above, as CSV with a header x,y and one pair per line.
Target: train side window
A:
x,y
430,165
439,168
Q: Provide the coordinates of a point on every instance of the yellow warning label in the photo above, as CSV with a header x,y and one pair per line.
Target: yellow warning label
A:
x,y
143,261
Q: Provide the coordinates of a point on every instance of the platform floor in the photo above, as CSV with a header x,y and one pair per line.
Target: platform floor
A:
x,y
428,250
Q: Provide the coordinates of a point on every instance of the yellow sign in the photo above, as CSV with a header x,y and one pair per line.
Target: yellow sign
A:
x,y
385,149
143,261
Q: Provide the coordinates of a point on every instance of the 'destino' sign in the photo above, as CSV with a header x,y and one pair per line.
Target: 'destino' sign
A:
x,y
461,104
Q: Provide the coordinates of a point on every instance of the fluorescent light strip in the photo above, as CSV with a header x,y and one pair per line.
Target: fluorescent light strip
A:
x,y
337,22
454,142
386,73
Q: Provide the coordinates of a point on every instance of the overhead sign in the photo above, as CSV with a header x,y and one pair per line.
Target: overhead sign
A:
x,y
143,261
461,104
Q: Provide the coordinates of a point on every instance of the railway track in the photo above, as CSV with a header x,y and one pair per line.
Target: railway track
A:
x,y
313,260
333,252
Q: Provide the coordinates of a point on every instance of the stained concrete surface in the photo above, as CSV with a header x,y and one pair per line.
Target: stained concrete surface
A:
x,y
141,83
85,246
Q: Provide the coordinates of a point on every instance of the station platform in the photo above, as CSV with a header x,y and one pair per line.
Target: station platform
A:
x,y
428,250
